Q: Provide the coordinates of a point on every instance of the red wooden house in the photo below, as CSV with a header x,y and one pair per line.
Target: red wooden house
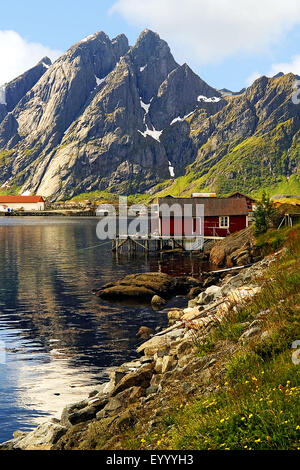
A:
x,y
250,201
181,216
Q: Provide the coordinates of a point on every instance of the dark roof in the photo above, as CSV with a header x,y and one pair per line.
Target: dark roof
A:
x,y
243,195
21,199
213,207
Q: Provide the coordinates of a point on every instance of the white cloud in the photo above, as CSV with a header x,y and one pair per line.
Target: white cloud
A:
x,y
18,55
209,31
287,67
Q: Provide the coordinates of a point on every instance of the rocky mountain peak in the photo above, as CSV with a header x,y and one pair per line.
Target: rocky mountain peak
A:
x,y
15,90
180,95
45,61
153,61
106,116
149,45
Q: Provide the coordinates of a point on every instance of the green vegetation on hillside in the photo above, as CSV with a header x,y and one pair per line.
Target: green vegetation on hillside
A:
x,y
255,403
105,197
258,407
257,163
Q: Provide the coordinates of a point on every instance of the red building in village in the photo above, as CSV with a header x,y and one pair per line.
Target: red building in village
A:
x,y
250,201
222,216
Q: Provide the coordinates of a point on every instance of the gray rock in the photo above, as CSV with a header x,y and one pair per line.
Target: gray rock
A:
x,y
168,363
145,332
158,302
249,333
81,416
43,437
110,409
69,410
152,390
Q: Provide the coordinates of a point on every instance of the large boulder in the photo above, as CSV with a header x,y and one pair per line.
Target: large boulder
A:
x,y
159,343
41,438
139,378
145,286
158,302
236,250
145,333
138,286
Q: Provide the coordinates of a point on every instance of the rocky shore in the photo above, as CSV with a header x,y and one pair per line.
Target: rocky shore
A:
x,y
139,392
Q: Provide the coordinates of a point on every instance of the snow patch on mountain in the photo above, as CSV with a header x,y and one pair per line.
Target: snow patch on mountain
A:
x,y
99,80
145,106
88,38
205,99
2,95
171,170
152,133
180,119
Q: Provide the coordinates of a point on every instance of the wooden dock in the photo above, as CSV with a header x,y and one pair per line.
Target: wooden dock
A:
x,y
132,244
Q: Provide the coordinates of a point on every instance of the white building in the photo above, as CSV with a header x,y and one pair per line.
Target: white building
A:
x,y
17,203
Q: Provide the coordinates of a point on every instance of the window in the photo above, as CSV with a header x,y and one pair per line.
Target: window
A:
x,y
224,222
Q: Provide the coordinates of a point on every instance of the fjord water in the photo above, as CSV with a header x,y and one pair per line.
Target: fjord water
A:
x,y
59,339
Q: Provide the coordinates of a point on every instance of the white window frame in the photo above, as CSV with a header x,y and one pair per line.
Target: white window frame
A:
x,y
221,220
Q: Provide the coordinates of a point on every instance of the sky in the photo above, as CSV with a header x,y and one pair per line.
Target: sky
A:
x,y
228,43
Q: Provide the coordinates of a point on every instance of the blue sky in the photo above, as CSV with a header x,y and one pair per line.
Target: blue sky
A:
x,y
227,43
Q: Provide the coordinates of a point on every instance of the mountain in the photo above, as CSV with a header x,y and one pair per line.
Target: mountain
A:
x,y
107,116
252,143
11,93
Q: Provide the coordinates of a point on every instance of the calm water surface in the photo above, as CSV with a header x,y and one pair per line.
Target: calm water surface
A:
x,y
59,339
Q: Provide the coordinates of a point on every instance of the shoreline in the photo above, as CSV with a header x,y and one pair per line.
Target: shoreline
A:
x,y
139,377
63,213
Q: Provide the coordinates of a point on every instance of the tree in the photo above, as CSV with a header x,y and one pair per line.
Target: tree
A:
x,y
264,214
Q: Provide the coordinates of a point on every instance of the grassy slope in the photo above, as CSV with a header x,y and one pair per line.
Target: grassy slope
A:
x,y
258,406
255,403
255,164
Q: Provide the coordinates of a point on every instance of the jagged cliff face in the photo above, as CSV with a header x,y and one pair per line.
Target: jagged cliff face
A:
x,y
253,142
11,93
107,116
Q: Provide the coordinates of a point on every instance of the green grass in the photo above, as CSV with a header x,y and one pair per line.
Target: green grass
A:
x,y
257,163
260,408
256,403
96,196
260,411
113,198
